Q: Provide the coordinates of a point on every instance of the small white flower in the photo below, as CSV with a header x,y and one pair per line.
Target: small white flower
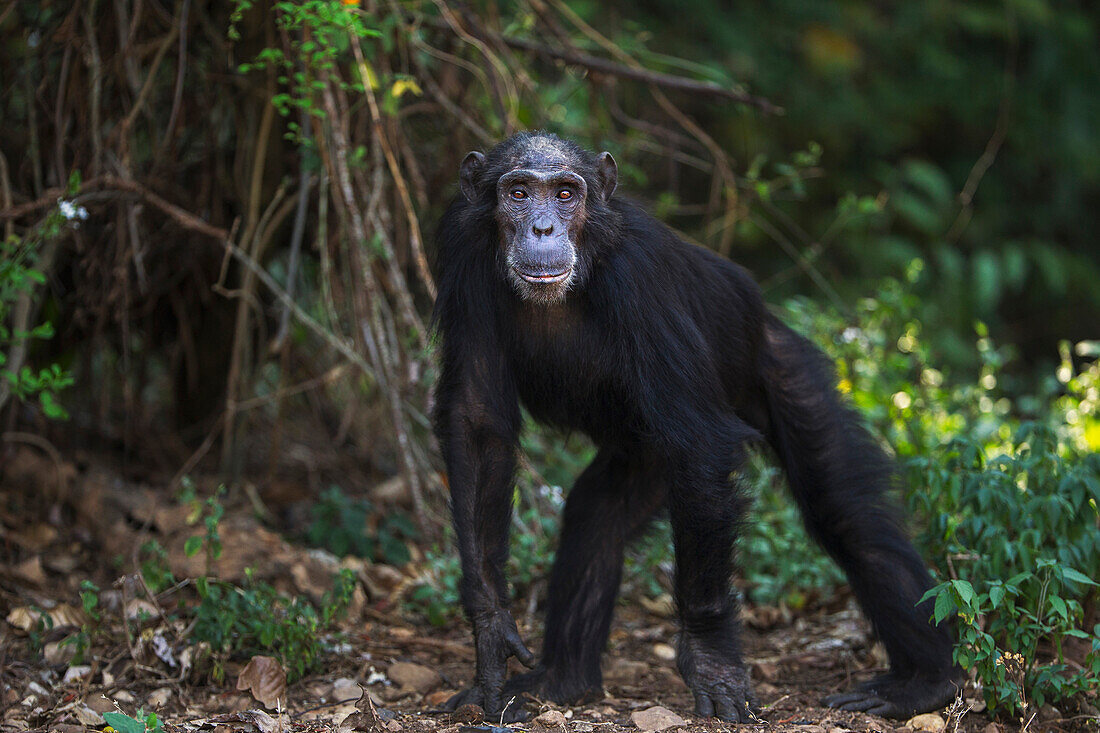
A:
x,y
34,39
850,334
71,211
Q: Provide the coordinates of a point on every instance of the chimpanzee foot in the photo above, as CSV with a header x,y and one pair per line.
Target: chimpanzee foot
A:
x,y
517,691
721,687
896,697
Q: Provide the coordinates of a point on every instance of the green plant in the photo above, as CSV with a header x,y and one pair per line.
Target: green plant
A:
x,y
1019,535
436,596
779,562
257,619
210,511
319,34
18,279
82,639
341,526
123,723
154,566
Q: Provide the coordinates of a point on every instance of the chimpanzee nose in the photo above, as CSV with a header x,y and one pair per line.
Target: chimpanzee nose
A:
x,y
543,225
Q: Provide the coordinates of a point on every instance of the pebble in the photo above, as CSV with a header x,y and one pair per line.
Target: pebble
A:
x,y
415,677
656,718
550,720
930,722
664,651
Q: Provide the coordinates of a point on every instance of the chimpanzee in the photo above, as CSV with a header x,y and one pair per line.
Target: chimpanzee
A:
x,y
556,294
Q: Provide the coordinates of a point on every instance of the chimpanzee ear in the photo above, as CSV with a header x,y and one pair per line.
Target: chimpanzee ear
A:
x,y
609,174
467,174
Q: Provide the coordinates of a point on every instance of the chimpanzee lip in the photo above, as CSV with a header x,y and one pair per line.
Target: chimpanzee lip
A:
x,y
544,278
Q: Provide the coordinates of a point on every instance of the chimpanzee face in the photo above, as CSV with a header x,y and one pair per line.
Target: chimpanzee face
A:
x,y
541,207
540,212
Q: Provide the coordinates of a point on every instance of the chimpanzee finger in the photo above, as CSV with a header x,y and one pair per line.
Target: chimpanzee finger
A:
x,y
517,647
704,708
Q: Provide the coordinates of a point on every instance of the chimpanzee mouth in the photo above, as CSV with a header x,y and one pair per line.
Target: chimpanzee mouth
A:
x,y
544,278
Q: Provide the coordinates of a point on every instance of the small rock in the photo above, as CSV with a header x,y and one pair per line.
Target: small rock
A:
x,y
903,729
930,722
56,653
392,725
838,730
76,673
124,697
159,698
550,720
992,728
345,689
625,670
656,718
87,716
414,677
100,704
664,652
467,714
439,697
1049,713
584,727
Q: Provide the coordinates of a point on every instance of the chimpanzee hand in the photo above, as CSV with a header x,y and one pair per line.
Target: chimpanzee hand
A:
x,y
720,684
496,638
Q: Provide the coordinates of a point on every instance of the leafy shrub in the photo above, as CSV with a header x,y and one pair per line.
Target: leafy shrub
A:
x,y
1019,537
1007,511
18,279
341,525
257,619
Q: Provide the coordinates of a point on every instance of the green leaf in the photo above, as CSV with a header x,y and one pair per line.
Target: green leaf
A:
x,y
945,606
1074,575
123,723
192,546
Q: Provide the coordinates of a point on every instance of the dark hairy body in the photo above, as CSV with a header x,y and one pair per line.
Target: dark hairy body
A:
x,y
556,294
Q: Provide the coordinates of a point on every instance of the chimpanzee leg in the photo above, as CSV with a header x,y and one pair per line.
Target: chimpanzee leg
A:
x,y
839,478
612,500
705,508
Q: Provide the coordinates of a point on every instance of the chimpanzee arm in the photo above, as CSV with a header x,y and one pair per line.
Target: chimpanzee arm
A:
x,y
477,421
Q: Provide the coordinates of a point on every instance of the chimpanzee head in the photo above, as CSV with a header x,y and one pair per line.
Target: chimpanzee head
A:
x,y
548,197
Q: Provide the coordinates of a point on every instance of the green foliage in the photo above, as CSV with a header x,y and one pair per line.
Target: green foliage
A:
x,y
341,525
82,639
18,279
257,619
436,597
210,511
123,723
1019,535
998,499
243,621
778,561
154,566
320,33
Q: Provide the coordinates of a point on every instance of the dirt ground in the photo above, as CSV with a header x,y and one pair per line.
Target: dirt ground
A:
x,y
61,524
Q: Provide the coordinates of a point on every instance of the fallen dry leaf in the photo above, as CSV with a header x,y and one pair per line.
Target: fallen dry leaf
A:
x,y
263,722
265,678
26,619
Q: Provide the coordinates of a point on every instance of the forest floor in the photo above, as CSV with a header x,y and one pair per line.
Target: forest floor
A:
x,y
382,670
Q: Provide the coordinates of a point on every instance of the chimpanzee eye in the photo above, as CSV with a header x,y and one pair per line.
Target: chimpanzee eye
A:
x,y
518,194
565,194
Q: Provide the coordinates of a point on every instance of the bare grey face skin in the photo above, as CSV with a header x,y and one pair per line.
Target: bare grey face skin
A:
x,y
541,213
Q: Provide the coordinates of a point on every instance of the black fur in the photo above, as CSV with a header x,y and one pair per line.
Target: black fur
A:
x,y
665,354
